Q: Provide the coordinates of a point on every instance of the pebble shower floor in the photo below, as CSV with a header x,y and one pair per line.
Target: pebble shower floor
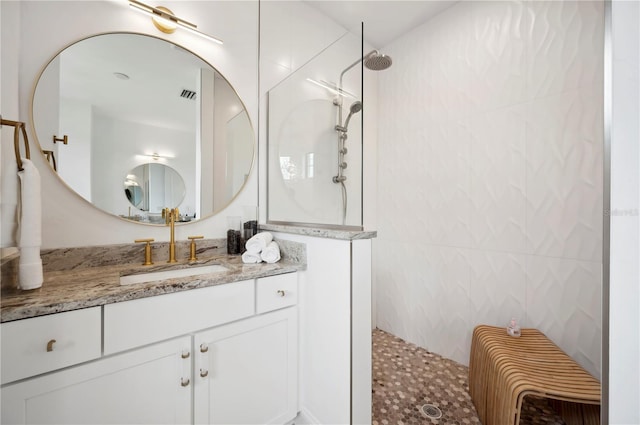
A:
x,y
406,377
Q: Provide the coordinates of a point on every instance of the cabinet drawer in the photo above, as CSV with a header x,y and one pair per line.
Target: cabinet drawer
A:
x,y
276,292
143,321
42,344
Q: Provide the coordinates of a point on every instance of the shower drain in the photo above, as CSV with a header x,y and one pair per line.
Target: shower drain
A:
x,y
431,411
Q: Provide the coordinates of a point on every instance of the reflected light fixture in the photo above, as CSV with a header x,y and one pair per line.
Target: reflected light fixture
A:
x,y
156,156
167,22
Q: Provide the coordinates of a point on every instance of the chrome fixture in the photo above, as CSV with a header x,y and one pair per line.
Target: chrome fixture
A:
x,y
353,109
375,61
342,149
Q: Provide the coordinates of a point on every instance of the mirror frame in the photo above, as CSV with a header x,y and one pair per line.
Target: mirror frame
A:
x,y
89,203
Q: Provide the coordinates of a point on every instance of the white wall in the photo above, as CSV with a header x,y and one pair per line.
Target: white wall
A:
x,y
67,219
490,176
624,292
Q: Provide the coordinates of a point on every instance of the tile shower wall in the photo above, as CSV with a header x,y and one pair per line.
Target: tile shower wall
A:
x,y
490,176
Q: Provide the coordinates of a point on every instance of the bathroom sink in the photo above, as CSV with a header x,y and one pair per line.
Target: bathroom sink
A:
x,y
130,279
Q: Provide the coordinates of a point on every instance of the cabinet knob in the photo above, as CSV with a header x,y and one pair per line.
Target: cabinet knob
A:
x,y
281,292
50,345
204,372
204,348
184,382
185,354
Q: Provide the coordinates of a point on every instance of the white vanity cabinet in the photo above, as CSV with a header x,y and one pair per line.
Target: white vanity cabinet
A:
x,y
224,354
145,386
246,372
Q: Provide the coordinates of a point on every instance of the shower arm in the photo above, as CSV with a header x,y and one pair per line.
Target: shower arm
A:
x,y
340,83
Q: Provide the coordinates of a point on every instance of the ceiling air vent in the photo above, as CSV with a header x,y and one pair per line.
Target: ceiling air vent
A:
x,y
188,94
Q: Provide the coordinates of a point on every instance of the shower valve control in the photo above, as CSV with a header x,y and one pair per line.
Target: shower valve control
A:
x,y
343,165
343,151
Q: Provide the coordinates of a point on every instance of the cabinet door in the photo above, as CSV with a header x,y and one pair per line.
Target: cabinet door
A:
x,y
150,385
246,372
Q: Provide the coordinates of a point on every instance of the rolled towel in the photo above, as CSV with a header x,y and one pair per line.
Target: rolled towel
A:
x,y
258,242
250,258
30,274
271,254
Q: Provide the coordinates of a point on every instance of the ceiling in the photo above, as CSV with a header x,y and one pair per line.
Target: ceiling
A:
x,y
384,20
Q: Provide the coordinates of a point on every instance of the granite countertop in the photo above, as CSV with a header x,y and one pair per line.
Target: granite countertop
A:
x,y
82,287
320,232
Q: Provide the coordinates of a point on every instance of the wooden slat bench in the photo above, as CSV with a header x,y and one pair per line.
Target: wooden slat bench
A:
x,y
503,370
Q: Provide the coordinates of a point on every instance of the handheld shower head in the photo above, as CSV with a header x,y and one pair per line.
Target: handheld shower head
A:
x,y
353,109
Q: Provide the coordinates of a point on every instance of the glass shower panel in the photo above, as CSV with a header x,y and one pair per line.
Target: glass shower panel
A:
x,y
314,140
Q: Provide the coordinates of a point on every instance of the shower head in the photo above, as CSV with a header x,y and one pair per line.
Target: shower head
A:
x,y
353,109
376,61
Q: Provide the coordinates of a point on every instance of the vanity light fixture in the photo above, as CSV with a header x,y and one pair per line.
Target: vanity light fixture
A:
x,y
167,22
156,156
332,88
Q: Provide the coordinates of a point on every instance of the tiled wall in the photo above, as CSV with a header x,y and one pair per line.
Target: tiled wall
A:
x,y
490,176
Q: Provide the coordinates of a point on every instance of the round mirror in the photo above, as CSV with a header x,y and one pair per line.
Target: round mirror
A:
x,y
153,187
126,101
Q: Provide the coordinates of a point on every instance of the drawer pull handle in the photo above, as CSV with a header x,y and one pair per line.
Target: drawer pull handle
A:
x,y
184,382
204,348
281,292
204,373
185,354
50,345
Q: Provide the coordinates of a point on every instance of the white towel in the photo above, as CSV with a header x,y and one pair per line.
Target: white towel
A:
x,y
30,274
271,253
250,258
258,242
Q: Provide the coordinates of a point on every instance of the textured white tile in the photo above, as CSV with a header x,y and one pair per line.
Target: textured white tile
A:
x,y
564,175
498,179
441,319
564,302
565,42
497,289
445,181
393,289
474,176
448,64
499,60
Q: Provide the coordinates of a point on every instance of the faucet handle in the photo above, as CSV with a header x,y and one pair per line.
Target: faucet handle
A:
x,y
147,251
192,247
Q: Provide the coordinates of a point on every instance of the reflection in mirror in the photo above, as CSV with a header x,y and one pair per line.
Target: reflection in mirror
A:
x,y
152,187
125,100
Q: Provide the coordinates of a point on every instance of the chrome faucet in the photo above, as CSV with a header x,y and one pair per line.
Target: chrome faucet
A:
x,y
169,216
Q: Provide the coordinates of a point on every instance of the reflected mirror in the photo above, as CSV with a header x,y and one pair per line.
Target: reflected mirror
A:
x,y
152,187
127,100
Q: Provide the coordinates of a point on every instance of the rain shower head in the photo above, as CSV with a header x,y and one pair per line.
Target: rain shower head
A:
x,y
376,61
